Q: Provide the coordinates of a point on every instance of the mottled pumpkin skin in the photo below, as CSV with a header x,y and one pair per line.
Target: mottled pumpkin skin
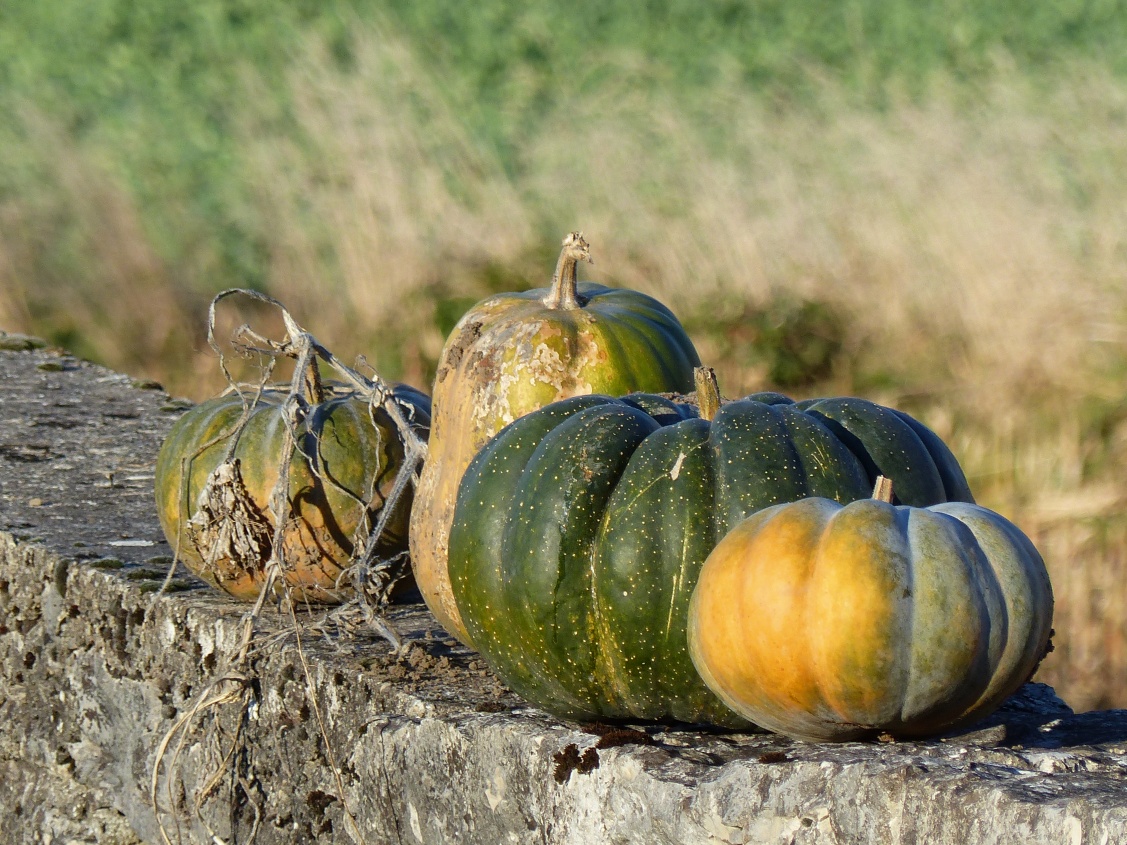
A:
x,y
512,354
825,622
336,439
581,528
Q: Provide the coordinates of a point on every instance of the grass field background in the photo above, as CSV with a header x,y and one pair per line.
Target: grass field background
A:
x,y
920,205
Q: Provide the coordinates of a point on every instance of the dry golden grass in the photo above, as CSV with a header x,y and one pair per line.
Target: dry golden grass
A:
x,y
975,247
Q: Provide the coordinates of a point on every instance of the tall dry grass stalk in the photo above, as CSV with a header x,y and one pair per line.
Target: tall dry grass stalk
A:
x,y
974,245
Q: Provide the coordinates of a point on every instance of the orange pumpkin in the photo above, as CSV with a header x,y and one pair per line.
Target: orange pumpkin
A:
x,y
831,622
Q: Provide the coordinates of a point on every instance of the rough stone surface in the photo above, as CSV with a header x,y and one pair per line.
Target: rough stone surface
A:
x,y
425,747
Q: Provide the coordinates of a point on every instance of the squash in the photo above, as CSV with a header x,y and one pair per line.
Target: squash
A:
x,y
826,622
342,467
515,352
580,530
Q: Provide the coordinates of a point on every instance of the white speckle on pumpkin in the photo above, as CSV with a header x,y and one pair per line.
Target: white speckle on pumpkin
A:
x,y
676,471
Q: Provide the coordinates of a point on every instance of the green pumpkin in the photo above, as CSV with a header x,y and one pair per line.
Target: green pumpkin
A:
x,y
341,469
581,528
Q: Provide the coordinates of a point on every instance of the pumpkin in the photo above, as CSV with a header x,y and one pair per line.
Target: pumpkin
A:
x,y
515,352
831,622
580,530
214,480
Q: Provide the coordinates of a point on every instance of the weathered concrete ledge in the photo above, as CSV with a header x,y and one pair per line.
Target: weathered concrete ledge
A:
x,y
429,747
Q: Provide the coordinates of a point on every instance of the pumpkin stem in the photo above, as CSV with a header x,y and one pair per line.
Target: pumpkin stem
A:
x,y
708,392
882,490
313,382
563,294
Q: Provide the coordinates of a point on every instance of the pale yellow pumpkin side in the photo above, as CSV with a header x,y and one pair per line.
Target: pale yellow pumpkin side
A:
x,y
514,353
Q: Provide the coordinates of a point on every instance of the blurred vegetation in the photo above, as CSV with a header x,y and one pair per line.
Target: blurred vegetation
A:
x,y
791,343
919,203
160,95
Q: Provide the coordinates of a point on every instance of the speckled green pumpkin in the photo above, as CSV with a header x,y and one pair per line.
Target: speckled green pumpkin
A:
x,y
581,528
341,470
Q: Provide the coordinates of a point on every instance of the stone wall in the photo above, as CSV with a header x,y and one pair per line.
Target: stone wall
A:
x,y
339,740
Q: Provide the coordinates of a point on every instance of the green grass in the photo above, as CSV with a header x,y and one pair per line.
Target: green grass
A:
x,y
873,46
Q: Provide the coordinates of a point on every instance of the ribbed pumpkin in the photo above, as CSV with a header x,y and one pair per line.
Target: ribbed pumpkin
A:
x,y
341,462
826,622
516,352
581,528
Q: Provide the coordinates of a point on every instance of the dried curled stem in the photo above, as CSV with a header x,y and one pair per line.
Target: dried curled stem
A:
x,y
563,295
